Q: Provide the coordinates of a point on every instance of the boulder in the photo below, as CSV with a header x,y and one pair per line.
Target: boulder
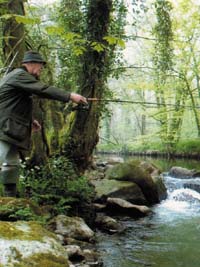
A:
x,y
120,206
29,244
180,172
150,168
161,188
108,224
142,175
84,257
122,189
92,258
73,227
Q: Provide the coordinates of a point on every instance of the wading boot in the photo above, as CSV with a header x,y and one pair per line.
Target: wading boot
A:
x,y
9,177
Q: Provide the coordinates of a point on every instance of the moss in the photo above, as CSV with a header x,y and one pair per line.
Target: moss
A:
x,y
33,231
129,171
105,186
8,231
133,171
43,260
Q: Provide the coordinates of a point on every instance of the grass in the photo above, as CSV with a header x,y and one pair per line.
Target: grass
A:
x,y
186,146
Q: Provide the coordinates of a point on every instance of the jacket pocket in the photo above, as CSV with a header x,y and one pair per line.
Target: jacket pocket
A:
x,y
16,128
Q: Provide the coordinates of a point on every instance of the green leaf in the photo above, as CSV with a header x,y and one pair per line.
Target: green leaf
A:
x,y
98,46
51,30
71,36
78,50
121,43
26,20
112,40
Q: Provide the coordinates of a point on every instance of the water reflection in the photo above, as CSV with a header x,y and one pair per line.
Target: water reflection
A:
x,y
162,163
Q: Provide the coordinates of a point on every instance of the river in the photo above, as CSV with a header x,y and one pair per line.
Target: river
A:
x,y
169,237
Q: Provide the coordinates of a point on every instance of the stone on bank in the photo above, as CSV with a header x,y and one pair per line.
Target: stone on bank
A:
x,y
25,244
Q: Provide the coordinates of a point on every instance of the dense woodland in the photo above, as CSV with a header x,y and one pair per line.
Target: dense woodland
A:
x,y
145,53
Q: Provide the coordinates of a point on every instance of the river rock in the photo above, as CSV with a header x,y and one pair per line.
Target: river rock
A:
x,y
29,244
108,224
142,175
92,257
85,257
122,189
74,253
73,227
121,206
150,168
72,241
99,207
180,172
161,188
194,185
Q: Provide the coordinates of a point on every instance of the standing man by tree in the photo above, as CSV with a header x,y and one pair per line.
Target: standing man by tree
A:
x,y
16,123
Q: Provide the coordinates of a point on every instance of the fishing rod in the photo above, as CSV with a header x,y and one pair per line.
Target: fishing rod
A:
x,y
137,102
84,106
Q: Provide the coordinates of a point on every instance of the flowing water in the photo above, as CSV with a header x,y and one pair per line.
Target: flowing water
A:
x,y
169,237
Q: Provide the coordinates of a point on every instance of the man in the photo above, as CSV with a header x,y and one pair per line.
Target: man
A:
x,y
16,123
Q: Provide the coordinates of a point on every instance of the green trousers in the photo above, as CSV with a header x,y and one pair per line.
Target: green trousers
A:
x,y
9,161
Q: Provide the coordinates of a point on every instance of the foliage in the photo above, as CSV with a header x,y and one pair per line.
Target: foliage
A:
x,y
21,19
72,29
189,146
55,184
20,213
164,35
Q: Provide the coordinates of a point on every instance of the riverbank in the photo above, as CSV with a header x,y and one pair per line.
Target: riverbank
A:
x,y
185,148
153,153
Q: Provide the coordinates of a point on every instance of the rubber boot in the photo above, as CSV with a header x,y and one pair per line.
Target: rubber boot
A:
x,y
10,190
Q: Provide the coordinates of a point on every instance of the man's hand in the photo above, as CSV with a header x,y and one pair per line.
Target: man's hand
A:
x,y
36,126
78,99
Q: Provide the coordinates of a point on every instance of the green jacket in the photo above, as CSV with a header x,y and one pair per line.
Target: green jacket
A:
x,y
16,90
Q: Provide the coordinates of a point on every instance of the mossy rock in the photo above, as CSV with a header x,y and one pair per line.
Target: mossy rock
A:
x,y
73,227
25,244
122,189
133,171
13,209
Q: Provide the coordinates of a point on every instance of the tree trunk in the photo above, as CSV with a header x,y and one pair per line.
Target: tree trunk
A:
x,y
83,131
13,33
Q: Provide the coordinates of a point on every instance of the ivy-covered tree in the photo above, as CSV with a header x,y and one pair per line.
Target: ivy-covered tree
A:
x,y
162,59
97,60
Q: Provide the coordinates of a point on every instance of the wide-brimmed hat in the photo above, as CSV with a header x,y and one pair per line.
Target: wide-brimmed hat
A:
x,y
33,56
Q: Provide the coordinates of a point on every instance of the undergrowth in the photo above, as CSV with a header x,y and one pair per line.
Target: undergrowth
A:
x,y
55,184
